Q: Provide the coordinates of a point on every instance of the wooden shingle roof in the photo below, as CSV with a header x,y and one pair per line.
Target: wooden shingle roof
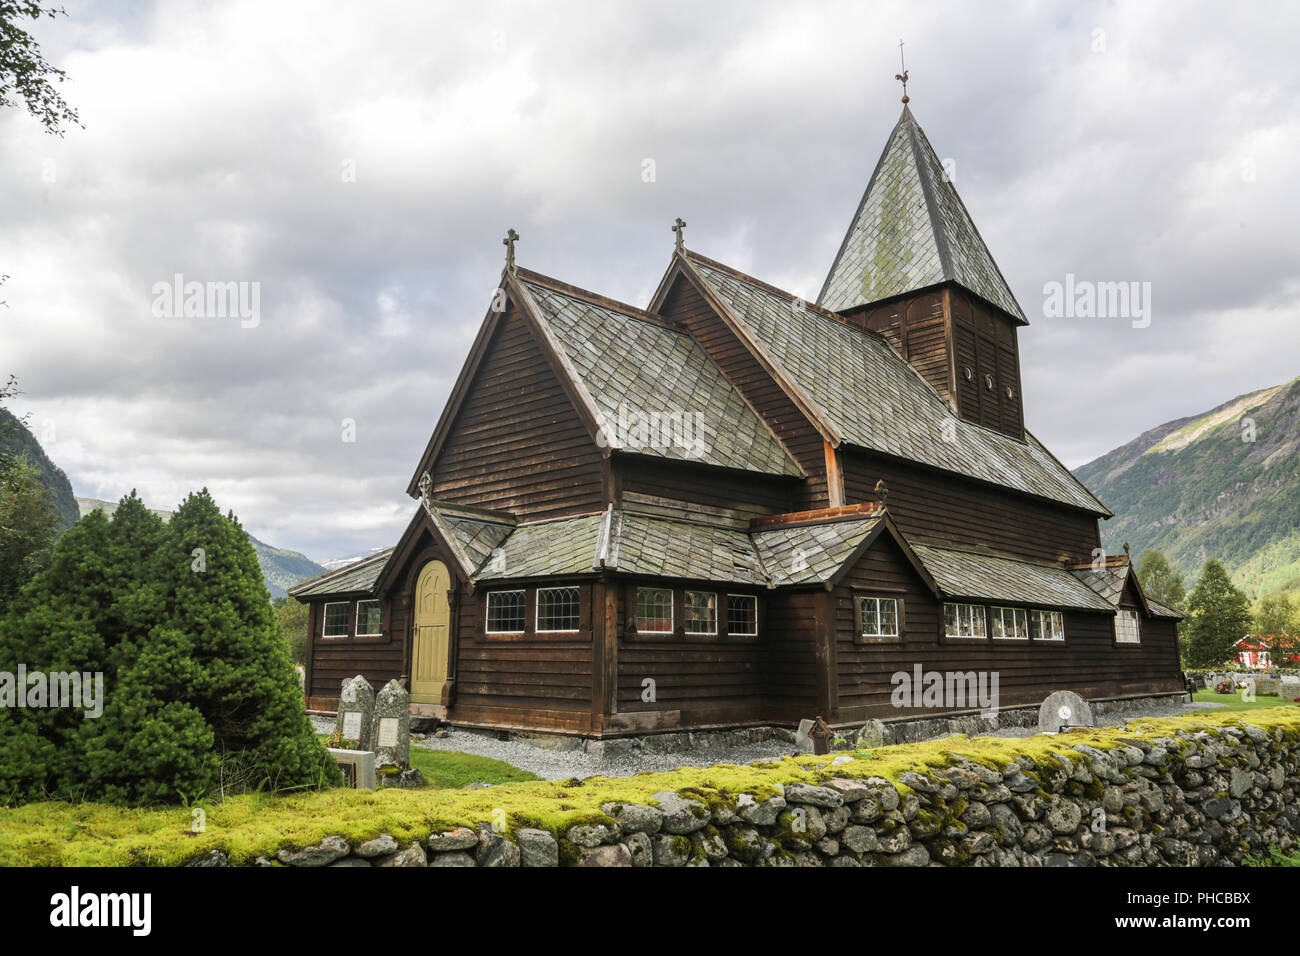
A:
x,y
355,578
654,388
982,577
1108,579
911,230
875,400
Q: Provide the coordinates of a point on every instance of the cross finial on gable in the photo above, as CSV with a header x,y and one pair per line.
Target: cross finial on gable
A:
x,y
509,242
902,77
882,492
679,224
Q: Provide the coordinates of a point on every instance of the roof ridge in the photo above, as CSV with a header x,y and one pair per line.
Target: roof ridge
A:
x,y
597,299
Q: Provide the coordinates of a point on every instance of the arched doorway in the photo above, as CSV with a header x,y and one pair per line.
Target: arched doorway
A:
x,y
430,634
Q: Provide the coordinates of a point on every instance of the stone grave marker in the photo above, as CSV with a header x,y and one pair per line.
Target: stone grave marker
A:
x,y
356,710
803,736
1063,708
391,728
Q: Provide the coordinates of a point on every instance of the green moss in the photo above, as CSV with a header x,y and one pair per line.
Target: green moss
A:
x,y
255,825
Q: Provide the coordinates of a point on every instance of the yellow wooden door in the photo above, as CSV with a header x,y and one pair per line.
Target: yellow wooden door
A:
x,y
430,650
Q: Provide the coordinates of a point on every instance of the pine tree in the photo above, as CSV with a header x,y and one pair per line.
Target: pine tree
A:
x,y
85,613
27,526
244,683
1160,581
1219,616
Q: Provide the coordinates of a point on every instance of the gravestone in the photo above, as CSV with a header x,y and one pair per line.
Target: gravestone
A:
x,y
803,736
1063,708
358,767
356,710
390,733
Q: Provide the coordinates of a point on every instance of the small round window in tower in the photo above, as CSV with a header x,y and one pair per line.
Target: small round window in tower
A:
x,y
988,382
1011,392
968,372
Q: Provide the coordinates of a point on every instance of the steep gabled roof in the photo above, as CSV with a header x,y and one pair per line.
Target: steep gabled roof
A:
x,y
653,387
911,231
874,399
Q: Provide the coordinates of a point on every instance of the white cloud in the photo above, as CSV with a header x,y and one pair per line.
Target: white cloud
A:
x,y
220,141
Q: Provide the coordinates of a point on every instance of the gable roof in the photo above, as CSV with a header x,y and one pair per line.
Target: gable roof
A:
x,y
653,388
1109,577
357,577
874,398
911,230
983,577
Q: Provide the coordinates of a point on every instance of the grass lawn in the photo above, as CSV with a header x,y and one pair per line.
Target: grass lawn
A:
x,y
449,770
1234,702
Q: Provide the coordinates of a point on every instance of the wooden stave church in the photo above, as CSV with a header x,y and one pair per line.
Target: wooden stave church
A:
x,y
796,491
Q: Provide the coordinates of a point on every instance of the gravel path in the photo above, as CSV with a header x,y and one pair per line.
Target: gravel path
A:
x,y
562,764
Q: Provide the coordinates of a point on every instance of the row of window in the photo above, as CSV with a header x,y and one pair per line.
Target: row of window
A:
x,y
878,617
1002,623
557,611
654,613
338,619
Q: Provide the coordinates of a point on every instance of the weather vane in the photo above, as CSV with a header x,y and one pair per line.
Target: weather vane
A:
x,y
509,242
678,226
902,77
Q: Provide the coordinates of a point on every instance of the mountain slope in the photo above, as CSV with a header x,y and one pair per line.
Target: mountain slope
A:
x,y
16,439
281,568
1225,484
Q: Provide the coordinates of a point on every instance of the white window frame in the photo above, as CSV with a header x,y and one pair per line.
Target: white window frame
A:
x,y
686,613
325,616
1000,614
672,611
753,599
878,599
1127,614
1033,626
487,610
377,603
537,610
972,608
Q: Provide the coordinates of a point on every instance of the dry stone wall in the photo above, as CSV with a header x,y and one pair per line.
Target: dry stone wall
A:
x,y
1194,798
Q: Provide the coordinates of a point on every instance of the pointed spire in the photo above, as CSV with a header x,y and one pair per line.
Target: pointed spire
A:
x,y
910,231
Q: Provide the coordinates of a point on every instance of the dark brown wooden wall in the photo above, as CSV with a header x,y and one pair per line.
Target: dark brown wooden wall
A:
x,y
1088,663
950,511
709,488
917,328
541,684
336,659
985,341
517,443
685,305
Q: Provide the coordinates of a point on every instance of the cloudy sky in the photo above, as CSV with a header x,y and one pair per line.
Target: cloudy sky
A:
x,y
361,162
